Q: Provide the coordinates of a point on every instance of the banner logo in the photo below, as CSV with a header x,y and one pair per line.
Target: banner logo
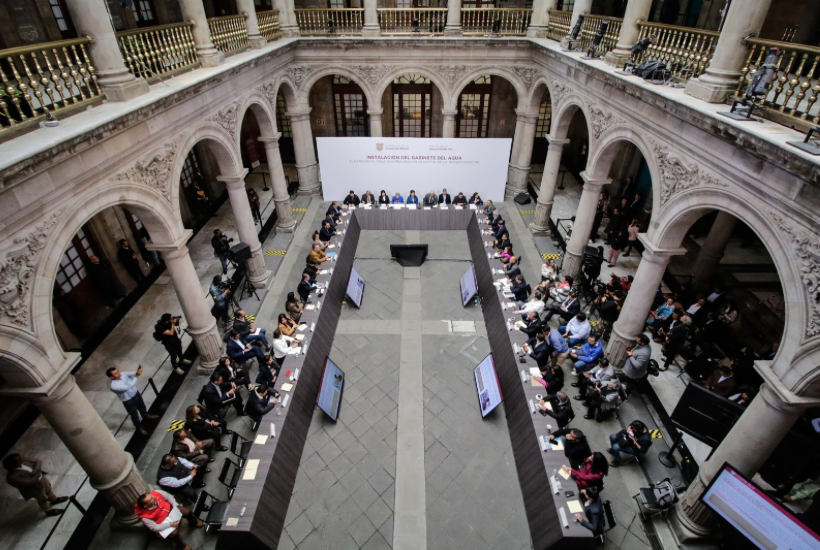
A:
x,y
379,146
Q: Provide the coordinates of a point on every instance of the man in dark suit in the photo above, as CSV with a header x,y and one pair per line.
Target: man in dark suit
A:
x,y
103,276
130,261
494,220
540,352
503,242
305,287
26,475
326,232
334,211
532,327
240,351
368,198
260,404
563,413
214,398
444,197
351,198
430,199
180,477
520,289
511,268
500,230
568,309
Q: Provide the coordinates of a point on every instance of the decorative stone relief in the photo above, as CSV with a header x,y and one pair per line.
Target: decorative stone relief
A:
x,y
601,120
154,172
270,91
227,118
807,249
373,74
526,74
558,92
677,175
298,73
450,73
18,264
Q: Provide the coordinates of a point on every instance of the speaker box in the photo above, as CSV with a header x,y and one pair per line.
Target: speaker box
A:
x,y
522,198
241,252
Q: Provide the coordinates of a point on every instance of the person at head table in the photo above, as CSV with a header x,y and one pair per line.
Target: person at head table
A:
x,y
384,198
430,199
412,198
444,197
397,199
460,200
368,198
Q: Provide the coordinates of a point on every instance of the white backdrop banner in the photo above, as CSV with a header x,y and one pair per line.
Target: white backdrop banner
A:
x,y
398,165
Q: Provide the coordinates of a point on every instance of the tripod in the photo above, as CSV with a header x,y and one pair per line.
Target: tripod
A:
x,y
247,286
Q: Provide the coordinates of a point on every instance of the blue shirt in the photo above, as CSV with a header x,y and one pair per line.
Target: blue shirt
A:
x,y
412,200
398,200
590,354
559,345
126,386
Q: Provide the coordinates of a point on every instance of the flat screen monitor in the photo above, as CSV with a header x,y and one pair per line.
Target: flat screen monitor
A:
x,y
469,285
486,383
409,254
330,392
752,512
355,287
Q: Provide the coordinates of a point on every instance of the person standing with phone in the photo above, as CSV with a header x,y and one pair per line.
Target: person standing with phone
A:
x,y
124,384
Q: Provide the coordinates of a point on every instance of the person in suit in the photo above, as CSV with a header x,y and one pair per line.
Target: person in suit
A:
x,y
312,270
233,373
27,476
240,351
476,199
675,340
102,274
351,199
567,309
593,517
332,221
616,223
412,198
260,404
268,374
540,351
511,269
444,197
561,409
520,290
576,446
305,288
130,261
722,381
180,476
636,363
397,199
552,378
532,327
246,330
368,198
489,208
460,200
326,232
504,242
187,446
334,211
204,425
430,199
215,398
384,198
500,230
494,219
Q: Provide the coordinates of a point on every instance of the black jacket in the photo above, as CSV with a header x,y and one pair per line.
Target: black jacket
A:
x,y
541,354
520,291
212,400
242,326
429,201
368,199
384,199
563,414
442,198
532,328
325,234
127,259
354,200
304,289
575,451
257,406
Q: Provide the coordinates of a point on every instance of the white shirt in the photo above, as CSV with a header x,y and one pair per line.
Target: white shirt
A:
x,y
693,308
174,482
577,329
714,296
157,527
533,305
281,346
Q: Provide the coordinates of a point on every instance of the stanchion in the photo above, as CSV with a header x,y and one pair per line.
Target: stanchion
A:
x,y
668,458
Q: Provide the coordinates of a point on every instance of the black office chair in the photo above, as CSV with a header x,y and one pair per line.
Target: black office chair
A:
x,y
228,479
244,448
609,516
217,510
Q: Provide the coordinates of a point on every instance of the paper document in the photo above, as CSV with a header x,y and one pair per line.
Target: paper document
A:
x,y
565,472
260,439
295,351
232,522
300,337
286,387
536,384
557,445
175,515
310,307
331,246
575,507
250,469
302,327
534,371
323,272
511,304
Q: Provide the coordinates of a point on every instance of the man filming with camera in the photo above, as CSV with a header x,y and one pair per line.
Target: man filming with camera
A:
x,y
221,293
168,331
222,249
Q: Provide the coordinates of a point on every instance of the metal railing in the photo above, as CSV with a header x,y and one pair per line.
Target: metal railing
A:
x,y
559,22
323,22
269,24
45,78
686,51
794,91
154,52
504,21
229,34
590,27
411,21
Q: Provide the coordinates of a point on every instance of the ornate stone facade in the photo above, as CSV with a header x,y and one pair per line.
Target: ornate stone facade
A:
x,y
372,74
298,73
228,118
527,74
806,249
450,73
601,120
558,92
155,172
677,175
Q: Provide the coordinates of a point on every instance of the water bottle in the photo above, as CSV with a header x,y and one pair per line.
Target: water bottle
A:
x,y
244,507
554,472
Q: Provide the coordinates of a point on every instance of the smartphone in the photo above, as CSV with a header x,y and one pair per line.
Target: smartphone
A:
x,y
570,494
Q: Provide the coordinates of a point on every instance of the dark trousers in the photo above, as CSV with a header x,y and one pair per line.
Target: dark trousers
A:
x,y
136,408
136,274
174,349
223,258
631,384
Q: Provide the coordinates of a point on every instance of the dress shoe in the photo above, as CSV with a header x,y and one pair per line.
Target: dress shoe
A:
x,y
226,431
142,431
55,512
198,484
179,371
186,361
222,448
579,397
211,459
589,417
58,500
574,384
152,417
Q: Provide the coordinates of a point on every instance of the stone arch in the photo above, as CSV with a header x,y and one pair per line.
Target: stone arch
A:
x,y
288,89
511,77
669,228
262,110
534,100
307,84
562,116
382,85
159,217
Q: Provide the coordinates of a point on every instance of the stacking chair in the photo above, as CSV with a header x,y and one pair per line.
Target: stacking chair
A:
x,y
230,479
609,516
240,450
217,510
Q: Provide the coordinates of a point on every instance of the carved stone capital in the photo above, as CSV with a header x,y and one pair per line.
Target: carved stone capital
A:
x,y
558,92
228,117
601,120
678,175
156,171
527,74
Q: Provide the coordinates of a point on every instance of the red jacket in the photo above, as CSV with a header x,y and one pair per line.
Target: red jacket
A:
x,y
158,514
585,477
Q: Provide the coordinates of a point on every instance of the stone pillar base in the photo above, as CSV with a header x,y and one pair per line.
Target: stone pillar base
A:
x,y
710,90
686,532
211,59
538,231
370,31
616,348
517,177
286,227
263,282
572,264
309,179
537,31
257,42
125,91
453,31
291,32
617,58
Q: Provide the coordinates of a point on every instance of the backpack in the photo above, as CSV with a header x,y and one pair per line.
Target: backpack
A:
x,y
653,368
665,493
158,334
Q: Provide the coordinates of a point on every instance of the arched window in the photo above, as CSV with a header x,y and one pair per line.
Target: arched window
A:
x,y
412,95
350,108
474,108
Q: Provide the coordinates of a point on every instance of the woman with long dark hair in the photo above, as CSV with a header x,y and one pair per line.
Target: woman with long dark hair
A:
x,y
592,471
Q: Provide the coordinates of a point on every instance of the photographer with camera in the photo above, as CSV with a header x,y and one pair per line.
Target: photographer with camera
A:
x,y
168,331
222,249
220,292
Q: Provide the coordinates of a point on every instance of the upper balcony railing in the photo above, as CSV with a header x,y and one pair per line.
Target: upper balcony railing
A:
x,y
503,21
45,78
269,24
229,34
559,23
792,96
590,27
686,51
330,22
410,21
154,52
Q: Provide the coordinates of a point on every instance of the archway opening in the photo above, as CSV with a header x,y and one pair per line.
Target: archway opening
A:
x,y
486,108
338,108
542,126
255,124
200,193
412,106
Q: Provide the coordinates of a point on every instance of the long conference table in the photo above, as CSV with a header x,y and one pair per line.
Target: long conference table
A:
x,y
259,505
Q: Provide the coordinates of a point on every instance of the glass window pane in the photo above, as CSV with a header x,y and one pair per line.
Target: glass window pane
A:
x,y
75,280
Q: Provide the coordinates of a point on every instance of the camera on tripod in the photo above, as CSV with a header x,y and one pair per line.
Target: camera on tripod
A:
x,y
226,284
599,288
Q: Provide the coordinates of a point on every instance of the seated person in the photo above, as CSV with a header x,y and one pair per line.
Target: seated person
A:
x,y
260,403
205,425
559,292
187,446
240,351
430,199
412,198
500,229
503,242
493,218
540,351
333,223
511,268
294,307
532,326
549,270
520,290
179,476
214,397
444,197
305,288
312,269
657,317
577,330
561,408
334,212
326,232
460,200
232,373
368,198
505,254
397,199
351,199
317,254
318,241
634,440
602,396
600,374
476,199
536,305
247,331
488,209
153,510
729,314
383,198
662,331
587,355
287,326
593,516
268,374
552,378
282,344
722,381
576,447
592,471
567,309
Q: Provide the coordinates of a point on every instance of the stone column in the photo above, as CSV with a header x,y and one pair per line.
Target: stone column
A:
x,y
195,308
549,180
375,122
748,444
582,228
111,470
540,18
117,83
247,7
287,18
581,7
306,165
636,10
521,157
284,216
448,123
712,250
371,19
721,78
453,27
193,10
635,310
255,266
